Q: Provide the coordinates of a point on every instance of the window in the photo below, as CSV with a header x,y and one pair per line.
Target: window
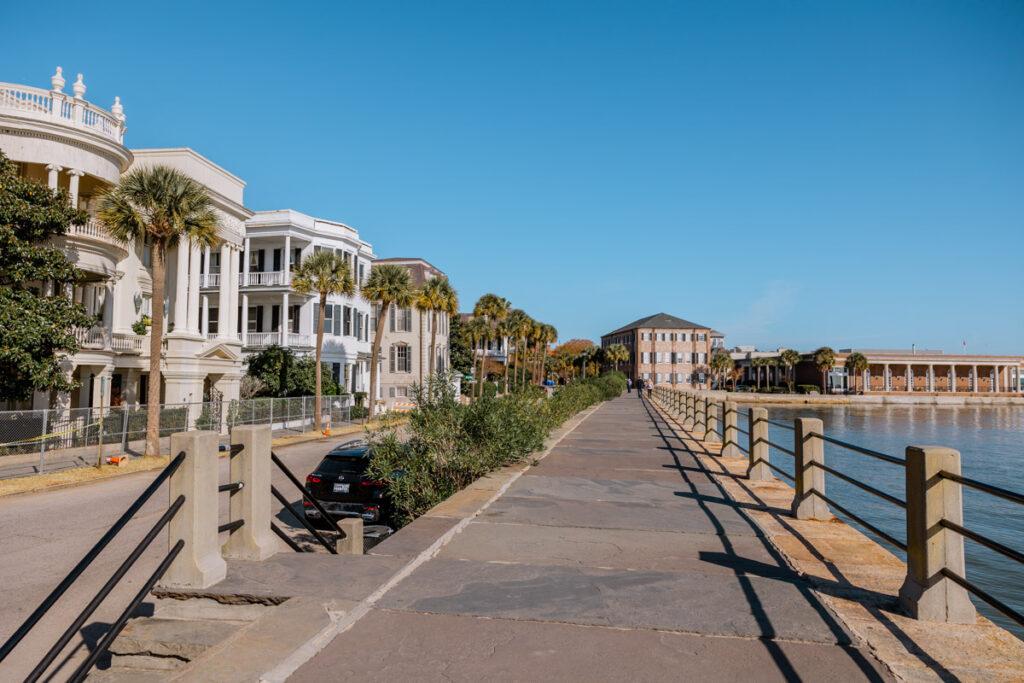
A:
x,y
294,312
401,319
702,337
646,375
255,318
682,336
401,359
347,331
645,357
336,372
211,321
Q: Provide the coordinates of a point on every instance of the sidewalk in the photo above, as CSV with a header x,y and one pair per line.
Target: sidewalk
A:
x,y
617,557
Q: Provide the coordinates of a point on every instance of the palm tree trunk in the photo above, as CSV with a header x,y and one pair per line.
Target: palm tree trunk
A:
x,y
515,370
317,401
156,343
420,344
433,342
378,335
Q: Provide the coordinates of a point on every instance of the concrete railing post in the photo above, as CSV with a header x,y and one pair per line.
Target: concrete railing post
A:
x,y
730,442
702,413
711,419
352,542
199,564
688,418
757,446
810,480
252,503
926,594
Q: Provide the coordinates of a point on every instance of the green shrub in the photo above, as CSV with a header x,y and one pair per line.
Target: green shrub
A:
x,y
808,389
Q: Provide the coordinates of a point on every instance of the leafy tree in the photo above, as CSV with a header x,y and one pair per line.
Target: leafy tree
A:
x,y
856,364
789,358
460,349
323,273
281,373
493,309
721,363
616,353
549,335
168,208
443,299
389,284
520,324
824,359
36,319
479,331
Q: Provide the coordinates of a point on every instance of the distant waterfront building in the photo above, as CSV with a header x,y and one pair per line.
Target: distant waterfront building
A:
x,y
667,350
898,371
405,347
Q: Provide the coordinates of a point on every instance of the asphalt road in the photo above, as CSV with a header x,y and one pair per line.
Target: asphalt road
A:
x,y
43,535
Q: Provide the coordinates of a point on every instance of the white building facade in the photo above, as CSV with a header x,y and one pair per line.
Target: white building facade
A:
x,y
69,143
272,313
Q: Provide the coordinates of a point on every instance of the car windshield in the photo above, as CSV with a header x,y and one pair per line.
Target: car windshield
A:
x,y
338,465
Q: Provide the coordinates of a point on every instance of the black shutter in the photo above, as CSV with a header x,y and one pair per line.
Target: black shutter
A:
x,y
277,260
275,317
260,259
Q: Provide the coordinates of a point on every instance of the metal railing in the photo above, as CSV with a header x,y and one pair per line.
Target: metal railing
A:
x,y
83,564
921,503
329,545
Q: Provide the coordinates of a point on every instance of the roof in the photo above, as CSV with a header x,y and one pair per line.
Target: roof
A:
x,y
660,320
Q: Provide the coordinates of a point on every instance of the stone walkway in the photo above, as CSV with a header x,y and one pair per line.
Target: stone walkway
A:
x,y
616,558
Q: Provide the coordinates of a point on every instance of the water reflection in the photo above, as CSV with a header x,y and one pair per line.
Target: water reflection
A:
x,y
991,443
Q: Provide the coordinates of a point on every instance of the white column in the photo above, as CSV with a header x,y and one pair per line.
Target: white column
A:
x,y
206,306
181,289
910,377
193,288
245,261
233,288
885,377
245,319
108,306
284,319
287,258
975,385
224,300
952,378
53,173
995,378
206,265
931,377
73,179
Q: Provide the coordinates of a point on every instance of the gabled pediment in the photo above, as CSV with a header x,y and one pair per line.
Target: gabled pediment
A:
x,y
220,352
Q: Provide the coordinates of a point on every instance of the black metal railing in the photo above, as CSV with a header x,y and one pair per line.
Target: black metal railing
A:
x,y
328,544
39,612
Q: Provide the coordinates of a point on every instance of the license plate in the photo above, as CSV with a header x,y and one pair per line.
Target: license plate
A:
x,y
341,488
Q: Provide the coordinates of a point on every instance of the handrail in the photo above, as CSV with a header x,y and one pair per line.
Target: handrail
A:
x,y
777,469
305,494
780,424
84,563
118,626
286,538
1012,496
233,487
870,489
983,540
990,599
781,448
860,520
303,521
111,583
860,449
231,526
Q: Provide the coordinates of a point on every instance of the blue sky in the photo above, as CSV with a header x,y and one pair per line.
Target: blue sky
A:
x,y
791,173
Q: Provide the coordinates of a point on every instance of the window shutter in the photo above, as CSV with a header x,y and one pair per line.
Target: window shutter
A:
x,y
275,315
392,354
337,319
260,260
316,319
277,259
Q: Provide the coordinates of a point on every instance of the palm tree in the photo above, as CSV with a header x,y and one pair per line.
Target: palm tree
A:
x,y
388,285
438,296
735,374
549,335
167,208
493,309
617,353
856,364
422,302
504,330
789,358
520,324
757,364
323,273
721,363
479,331
824,359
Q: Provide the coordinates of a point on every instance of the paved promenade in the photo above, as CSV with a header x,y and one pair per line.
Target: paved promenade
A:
x,y
616,558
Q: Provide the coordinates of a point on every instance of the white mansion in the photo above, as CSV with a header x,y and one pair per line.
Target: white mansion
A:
x,y
212,320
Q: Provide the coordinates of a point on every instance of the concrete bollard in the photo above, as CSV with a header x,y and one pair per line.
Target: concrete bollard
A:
x,y
757,446
252,504
810,480
730,444
199,564
352,542
711,419
926,594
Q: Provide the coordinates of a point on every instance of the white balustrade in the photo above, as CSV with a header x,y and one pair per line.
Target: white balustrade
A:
x,y
261,339
128,343
273,278
37,103
92,337
211,280
93,230
300,340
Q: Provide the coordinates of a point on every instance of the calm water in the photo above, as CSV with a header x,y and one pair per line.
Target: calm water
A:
x,y
991,444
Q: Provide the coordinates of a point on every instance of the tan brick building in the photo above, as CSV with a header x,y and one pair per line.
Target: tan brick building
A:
x,y
668,350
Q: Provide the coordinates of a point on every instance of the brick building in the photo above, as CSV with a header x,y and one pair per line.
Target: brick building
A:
x,y
667,350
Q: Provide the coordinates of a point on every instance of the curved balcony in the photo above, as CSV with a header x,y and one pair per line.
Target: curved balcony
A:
x,y
54,106
94,249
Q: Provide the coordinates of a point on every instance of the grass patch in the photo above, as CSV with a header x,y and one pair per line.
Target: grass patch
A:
x,y
78,475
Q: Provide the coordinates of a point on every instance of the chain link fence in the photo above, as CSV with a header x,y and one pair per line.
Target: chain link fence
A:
x,y
35,441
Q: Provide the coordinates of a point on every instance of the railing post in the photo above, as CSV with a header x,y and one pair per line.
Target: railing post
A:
x,y
926,594
730,444
688,422
810,480
757,446
352,542
199,564
711,418
701,420
252,504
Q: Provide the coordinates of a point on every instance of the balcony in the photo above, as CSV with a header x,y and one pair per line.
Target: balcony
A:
x,y
261,340
99,338
57,107
271,278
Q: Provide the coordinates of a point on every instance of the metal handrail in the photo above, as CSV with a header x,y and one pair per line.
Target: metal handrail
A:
x,y
990,599
770,466
860,449
1000,492
983,540
864,523
870,489
286,538
742,431
231,526
119,623
304,522
305,494
780,424
84,563
111,583
781,448
233,487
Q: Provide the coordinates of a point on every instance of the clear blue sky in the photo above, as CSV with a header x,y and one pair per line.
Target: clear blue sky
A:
x,y
791,173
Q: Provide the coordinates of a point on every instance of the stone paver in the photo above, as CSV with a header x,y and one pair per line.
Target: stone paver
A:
x,y
617,557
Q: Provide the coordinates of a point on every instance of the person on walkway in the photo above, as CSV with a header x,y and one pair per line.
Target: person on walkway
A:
x,y
650,388
639,387
629,385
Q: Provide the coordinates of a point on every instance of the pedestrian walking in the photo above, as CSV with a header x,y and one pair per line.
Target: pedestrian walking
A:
x,y
629,385
639,387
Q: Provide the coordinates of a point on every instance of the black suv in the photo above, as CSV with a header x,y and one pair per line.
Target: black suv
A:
x,y
339,483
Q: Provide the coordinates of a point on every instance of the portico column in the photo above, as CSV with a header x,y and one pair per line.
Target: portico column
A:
x,y
245,319
233,289
74,175
193,288
181,289
931,377
245,261
975,385
284,319
53,174
224,300
952,378
885,377
206,309
287,259
206,265
995,378
910,377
